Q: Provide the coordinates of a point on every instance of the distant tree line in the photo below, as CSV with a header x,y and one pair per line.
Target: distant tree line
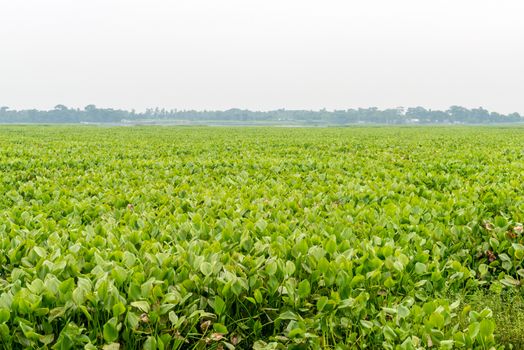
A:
x,y
416,115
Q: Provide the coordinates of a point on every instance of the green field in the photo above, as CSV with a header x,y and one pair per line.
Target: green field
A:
x,y
264,238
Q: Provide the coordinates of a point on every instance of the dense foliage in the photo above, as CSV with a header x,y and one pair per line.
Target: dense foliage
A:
x,y
417,115
170,238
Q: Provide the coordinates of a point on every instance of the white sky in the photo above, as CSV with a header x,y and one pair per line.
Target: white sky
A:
x,y
262,54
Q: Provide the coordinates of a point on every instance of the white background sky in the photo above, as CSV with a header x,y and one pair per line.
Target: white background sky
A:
x,y
262,54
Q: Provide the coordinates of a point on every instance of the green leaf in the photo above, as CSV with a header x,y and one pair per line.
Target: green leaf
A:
x,y
219,305
111,330
40,251
5,334
366,324
142,305
389,333
304,289
258,296
261,225
46,339
403,311
436,320
501,222
4,315
519,251
67,286
206,268
271,268
132,320
119,274
487,327
331,246
321,303
173,318
220,328
420,268
288,315
150,344
290,268
118,309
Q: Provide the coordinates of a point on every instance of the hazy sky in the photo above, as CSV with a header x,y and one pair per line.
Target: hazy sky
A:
x,y
294,54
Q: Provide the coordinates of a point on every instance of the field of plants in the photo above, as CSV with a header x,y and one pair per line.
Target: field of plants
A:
x,y
260,238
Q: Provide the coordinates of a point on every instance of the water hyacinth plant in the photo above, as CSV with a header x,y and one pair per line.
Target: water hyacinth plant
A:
x,y
257,238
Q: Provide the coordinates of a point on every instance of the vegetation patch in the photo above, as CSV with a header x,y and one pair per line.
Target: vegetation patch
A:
x,y
263,238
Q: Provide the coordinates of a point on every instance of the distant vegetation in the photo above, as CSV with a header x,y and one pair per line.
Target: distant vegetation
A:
x,y
416,115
